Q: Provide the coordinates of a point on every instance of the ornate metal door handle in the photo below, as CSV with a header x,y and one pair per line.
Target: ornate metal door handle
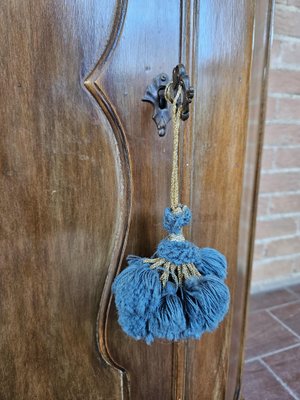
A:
x,y
155,94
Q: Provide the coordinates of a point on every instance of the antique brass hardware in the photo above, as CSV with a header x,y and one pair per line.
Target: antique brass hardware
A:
x,y
155,94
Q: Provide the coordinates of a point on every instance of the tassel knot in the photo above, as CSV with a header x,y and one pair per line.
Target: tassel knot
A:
x,y
174,221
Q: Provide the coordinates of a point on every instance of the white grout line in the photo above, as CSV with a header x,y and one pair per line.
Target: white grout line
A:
x,y
272,353
279,283
286,304
287,288
281,146
297,300
274,217
287,7
277,238
278,379
279,171
278,216
276,170
282,122
282,66
286,38
290,290
276,95
283,324
268,260
280,194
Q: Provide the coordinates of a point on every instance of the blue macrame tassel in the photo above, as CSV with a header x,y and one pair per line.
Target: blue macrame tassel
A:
x,y
178,294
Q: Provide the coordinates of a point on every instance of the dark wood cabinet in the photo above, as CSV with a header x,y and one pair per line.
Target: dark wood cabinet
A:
x,y
85,179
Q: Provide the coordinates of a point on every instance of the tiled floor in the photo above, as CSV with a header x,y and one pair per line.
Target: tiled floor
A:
x,y
272,368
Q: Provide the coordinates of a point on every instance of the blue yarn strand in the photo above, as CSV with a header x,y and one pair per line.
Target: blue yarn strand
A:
x,y
212,262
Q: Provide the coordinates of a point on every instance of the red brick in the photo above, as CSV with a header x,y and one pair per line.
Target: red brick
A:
x,y
263,206
287,22
280,182
282,134
275,268
276,228
283,108
290,52
287,158
267,159
271,108
295,3
288,108
259,252
285,204
284,81
284,78
282,247
296,264
276,52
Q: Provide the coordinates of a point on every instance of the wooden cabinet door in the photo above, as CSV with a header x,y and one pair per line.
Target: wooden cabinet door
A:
x,y
84,182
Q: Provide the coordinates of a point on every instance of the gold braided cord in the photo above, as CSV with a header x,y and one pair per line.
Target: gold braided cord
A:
x,y
187,270
176,112
178,272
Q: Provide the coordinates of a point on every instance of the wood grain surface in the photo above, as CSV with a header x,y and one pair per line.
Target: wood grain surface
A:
x,y
61,173
85,179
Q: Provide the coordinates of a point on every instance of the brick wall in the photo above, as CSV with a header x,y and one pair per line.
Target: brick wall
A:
x,y
277,245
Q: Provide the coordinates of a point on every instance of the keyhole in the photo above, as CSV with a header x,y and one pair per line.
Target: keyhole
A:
x,y
162,102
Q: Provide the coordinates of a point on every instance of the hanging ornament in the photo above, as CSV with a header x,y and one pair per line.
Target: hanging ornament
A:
x,y
178,293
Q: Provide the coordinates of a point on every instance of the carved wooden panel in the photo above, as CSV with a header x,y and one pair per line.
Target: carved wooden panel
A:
x,y
84,182
62,203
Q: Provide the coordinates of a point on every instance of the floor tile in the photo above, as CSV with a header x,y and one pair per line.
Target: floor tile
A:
x,y
265,335
295,289
260,301
289,314
260,384
286,365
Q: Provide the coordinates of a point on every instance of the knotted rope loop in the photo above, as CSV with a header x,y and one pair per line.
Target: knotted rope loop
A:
x,y
176,112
